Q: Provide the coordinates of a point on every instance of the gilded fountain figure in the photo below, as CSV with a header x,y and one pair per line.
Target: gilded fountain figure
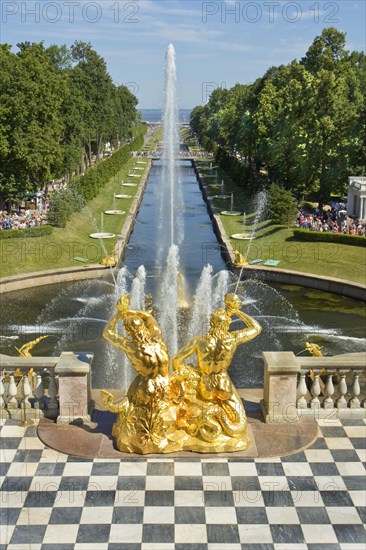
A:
x,y
221,424
196,408
145,417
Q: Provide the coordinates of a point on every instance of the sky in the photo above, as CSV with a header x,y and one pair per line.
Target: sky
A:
x,y
218,43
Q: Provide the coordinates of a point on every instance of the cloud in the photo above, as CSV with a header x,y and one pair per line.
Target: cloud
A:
x,y
179,9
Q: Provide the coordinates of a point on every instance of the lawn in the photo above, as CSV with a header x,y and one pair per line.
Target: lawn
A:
x,y
65,244
275,242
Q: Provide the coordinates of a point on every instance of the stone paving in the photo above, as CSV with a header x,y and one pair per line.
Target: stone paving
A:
x,y
314,499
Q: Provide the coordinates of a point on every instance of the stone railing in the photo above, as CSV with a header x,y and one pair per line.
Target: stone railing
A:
x,y
319,386
54,387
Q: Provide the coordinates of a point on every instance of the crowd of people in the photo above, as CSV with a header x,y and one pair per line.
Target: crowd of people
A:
x,y
332,221
23,219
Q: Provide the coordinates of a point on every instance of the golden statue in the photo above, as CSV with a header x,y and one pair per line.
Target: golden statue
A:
x,y
146,416
25,350
216,419
239,260
194,408
111,260
314,349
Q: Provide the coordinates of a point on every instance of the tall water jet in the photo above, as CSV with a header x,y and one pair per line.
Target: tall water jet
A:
x,y
137,296
202,308
168,300
171,201
259,208
220,289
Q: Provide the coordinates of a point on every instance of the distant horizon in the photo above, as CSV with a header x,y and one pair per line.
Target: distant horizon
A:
x,y
161,108
155,114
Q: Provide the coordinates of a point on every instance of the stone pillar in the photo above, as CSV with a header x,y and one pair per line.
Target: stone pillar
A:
x,y
280,386
74,387
350,202
360,213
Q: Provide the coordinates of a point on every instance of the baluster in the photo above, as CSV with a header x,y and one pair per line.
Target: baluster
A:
x,y
52,392
26,392
315,392
328,402
12,392
302,391
341,401
39,393
2,391
354,402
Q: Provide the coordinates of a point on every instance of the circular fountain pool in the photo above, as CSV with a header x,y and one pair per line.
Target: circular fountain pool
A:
x,y
74,315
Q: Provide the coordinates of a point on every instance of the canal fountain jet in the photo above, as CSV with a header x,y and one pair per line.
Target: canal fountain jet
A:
x,y
171,202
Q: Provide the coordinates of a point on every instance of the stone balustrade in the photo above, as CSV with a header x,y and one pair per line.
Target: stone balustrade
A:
x,y
332,383
321,386
54,387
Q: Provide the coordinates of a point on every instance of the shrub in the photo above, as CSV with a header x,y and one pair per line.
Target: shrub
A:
x,y
281,207
40,231
322,236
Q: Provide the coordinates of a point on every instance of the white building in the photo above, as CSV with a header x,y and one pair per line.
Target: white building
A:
x,y
356,205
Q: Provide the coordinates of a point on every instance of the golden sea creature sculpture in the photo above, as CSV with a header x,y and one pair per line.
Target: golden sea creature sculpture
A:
x,y
111,260
195,408
314,349
239,260
25,350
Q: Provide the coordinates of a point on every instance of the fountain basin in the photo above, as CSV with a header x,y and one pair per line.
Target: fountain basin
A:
x,y
242,236
123,196
115,212
230,213
102,235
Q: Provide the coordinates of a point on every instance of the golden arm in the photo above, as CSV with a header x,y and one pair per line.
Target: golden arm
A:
x,y
186,351
110,334
252,330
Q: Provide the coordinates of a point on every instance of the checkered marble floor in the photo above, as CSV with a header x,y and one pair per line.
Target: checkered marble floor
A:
x,y
312,500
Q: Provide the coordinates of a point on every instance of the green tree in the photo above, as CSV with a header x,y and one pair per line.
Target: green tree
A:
x,y
281,205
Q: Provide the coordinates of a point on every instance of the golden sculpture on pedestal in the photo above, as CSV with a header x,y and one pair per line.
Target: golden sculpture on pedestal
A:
x,y
195,408
239,259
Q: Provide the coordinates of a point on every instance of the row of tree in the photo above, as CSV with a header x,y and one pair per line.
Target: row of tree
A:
x,y
85,187
305,122
58,107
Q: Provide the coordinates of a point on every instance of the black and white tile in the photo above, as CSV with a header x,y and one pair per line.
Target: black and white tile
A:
x,y
312,500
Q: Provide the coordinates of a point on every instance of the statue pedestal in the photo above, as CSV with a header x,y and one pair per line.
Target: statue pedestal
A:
x,y
74,388
280,383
